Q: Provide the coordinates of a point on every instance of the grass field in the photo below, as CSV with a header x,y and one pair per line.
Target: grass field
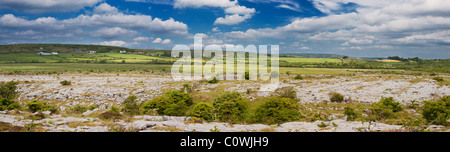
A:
x,y
309,60
116,61
388,61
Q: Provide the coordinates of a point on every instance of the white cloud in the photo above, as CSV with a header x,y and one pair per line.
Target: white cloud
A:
x,y
235,13
242,10
157,40
115,32
300,27
215,29
377,24
231,19
113,43
305,48
203,3
105,8
123,21
41,6
166,41
286,4
142,38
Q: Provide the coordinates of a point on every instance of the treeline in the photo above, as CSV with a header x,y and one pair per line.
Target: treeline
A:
x,y
415,59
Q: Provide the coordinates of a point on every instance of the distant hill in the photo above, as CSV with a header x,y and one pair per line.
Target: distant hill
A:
x,y
62,48
311,55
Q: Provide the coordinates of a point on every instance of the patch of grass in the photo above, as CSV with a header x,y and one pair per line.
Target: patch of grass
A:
x,y
75,124
5,126
322,125
168,129
267,130
109,115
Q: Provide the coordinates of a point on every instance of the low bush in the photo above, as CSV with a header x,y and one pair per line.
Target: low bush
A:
x,y
350,113
336,97
322,125
35,106
8,90
277,111
438,79
6,104
172,103
186,88
288,73
246,76
213,81
203,111
287,92
298,77
230,107
131,106
65,82
385,109
437,112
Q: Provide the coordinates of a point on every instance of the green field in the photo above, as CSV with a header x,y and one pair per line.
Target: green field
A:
x,y
308,60
109,59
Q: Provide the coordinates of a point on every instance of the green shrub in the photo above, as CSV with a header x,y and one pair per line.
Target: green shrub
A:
x,y
186,88
437,112
6,104
350,113
114,109
287,92
79,109
288,73
322,125
438,79
204,111
386,108
131,106
276,111
336,97
230,107
8,90
65,82
298,77
247,76
172,103
213,81
35,106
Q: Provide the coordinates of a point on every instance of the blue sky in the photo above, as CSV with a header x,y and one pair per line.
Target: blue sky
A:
x,y
359,28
